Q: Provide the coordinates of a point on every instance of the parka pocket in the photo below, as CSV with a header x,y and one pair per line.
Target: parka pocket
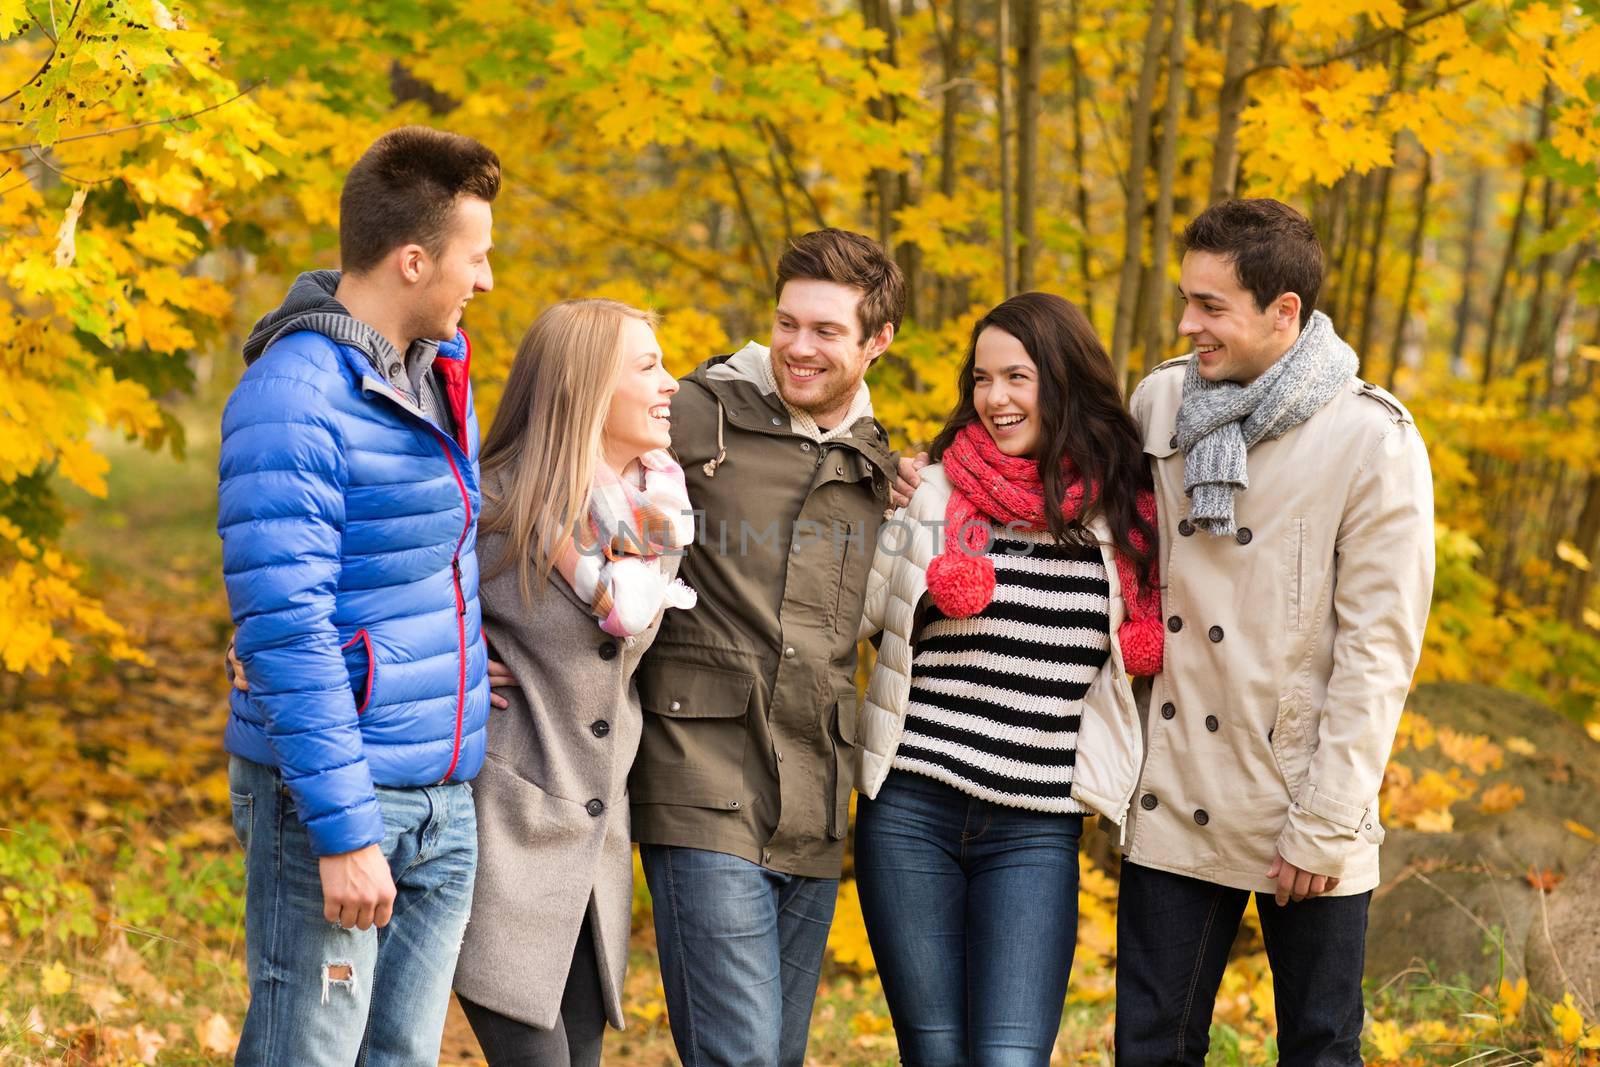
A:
x,y
695,737
362,665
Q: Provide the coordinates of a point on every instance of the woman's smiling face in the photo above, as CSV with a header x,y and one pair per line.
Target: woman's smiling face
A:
x,y
1005,391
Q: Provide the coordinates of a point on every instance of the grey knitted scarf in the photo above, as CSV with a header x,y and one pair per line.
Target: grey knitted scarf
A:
x,y
1218,422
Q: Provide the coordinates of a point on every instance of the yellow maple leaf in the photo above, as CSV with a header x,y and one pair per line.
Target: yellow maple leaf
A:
x,y
55,980
1568,1020
1511,999
1389,1041
1501,797
1570,554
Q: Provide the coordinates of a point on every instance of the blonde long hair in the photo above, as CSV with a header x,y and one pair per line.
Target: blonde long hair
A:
x,y
539,459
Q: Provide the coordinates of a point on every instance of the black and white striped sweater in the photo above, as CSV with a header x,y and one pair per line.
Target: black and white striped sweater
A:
x,y
996,697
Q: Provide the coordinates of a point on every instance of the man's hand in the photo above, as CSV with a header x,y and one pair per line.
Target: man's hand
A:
x,y
907,479
1295,884
500,675
357,888
236,669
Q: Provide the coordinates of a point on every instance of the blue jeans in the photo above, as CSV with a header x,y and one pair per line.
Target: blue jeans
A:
x,y
1173,936
324,995
741,953
972,912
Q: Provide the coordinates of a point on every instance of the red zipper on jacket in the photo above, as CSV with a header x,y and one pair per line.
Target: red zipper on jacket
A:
x,y
461,607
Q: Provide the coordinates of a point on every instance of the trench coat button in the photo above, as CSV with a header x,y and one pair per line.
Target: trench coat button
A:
x,y
608,650
1243,535
1174,442
788,653
1148,802
1174,624
1215,633
776,421
1185,527
839,469
1168,710
1200,817
675,706
766,855
780,755
733,803
1211,723
595,807
600,728
805,446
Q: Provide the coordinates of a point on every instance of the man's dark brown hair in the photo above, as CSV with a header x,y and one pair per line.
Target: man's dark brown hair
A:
x,y
1272,247
851,259
403,190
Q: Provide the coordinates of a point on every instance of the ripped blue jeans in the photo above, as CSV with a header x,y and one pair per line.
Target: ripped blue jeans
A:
x,y
324,996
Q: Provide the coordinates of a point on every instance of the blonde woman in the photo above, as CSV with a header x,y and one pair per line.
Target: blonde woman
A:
x,y
584,511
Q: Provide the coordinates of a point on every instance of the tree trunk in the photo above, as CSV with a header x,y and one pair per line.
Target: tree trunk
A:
x,y
1157,329
949,128
1008,269
1586,538
1508,264
1230,101
1413,258
1343,269
1469,267
1085,233
1134,208
1027,31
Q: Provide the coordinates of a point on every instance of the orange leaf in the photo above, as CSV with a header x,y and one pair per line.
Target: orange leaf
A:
x,y
1543,878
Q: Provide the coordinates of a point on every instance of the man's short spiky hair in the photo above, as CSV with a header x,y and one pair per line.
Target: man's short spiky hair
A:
x,y
1272,247
851,259
403,190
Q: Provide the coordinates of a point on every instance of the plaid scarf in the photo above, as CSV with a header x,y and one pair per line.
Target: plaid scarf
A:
x,y
616,569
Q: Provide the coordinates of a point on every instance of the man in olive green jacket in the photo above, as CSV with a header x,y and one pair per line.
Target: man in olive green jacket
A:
x,y
741,787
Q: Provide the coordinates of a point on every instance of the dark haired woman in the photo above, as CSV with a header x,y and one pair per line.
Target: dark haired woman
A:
x,y
1016,592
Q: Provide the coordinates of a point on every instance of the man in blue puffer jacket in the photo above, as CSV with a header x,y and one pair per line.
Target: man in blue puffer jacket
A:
x,y
348,512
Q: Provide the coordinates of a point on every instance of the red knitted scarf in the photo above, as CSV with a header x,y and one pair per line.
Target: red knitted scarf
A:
x,y
992,489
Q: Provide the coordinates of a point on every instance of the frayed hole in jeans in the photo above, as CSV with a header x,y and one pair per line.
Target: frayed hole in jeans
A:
x,y
342,975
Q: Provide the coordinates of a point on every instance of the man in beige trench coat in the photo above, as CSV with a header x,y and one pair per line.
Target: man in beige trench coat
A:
x,y
1296,526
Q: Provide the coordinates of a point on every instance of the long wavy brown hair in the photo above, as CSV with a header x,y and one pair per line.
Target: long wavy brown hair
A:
x,y
1081,418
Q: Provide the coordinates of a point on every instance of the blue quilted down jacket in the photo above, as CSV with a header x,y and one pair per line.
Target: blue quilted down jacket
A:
x,y
349,523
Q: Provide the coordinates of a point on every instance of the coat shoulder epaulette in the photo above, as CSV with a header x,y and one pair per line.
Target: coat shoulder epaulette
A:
x,y
1380,395
1175,361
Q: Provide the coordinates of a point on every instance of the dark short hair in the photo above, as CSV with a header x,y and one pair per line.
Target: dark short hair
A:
x,y
1272,247
852,259
404,189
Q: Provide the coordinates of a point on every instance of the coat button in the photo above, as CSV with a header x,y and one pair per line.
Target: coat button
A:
x,y
733,804
839,470
1200,816
608,650
1215,633
788,653
600,728
595,807
1148,802
805,446
1211,723
1243,535
1185,527
675,706
1174,624
1174,442
1168,710
776,421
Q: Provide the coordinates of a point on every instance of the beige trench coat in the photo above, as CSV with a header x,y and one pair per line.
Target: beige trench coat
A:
x,y
1290,647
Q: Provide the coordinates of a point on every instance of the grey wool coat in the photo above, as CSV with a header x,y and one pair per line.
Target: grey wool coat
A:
x,y
552,799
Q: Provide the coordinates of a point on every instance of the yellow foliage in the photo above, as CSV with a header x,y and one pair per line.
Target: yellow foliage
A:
x,y
1510,999
1473,751
1501,797
1390,1041
847,938
55,980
